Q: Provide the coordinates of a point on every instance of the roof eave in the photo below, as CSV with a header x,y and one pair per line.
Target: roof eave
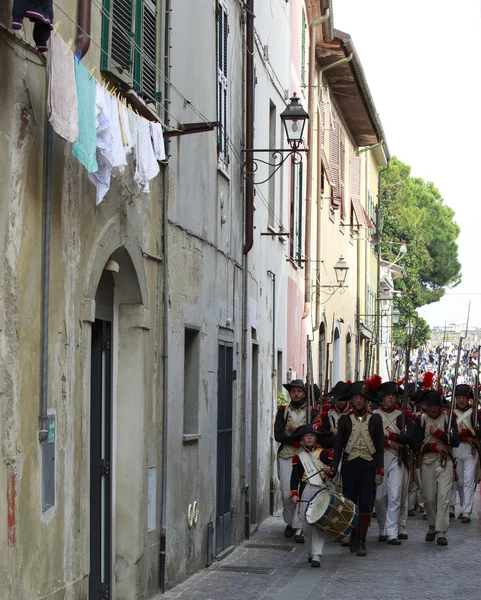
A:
x,y
361,81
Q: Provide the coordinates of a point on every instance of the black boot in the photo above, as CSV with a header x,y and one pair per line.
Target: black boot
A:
x,y
353,542
361,551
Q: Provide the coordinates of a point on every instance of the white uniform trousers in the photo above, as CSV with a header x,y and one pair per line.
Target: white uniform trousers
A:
x,y
405,495
313,536
466,469
388,496
289,512
436,486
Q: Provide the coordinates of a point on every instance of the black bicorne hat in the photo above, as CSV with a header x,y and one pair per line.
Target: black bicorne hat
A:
x,y
340,391
463,389
431,398
388,387
295,383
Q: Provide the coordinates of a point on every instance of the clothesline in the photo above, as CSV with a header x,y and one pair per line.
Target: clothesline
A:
x,y
99,122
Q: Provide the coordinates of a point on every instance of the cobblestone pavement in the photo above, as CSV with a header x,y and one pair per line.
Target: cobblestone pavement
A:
x,y
416,570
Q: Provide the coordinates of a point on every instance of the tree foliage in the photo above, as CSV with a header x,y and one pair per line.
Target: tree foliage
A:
x,y
413,212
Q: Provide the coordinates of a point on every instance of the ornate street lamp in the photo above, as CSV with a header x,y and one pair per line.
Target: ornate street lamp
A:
x,y
294,119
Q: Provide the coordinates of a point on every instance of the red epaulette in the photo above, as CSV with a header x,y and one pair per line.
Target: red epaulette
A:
x,y
281,407
455,416
295,459
326,407
330,453
409,413
323,415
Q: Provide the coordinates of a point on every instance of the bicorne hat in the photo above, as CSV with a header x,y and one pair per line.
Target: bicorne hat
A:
x,y
295,383
388,387
463,389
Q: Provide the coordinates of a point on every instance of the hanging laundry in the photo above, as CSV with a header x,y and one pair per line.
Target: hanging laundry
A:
x,y
133,126
39,12
110,150
125,128
146,165
62,109
158,140
86,146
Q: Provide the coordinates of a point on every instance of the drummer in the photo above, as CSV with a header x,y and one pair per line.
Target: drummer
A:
x,y
313,458
360,446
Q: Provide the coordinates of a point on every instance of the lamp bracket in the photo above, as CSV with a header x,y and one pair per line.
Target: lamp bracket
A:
x,y
279,157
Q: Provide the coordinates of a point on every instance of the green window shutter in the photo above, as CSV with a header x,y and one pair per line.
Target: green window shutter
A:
x,y
117,36
129,44
303,49
222,83
146,39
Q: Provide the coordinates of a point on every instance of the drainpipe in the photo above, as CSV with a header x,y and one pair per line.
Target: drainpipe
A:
x,y
249,136
166,325
378,249
310,159
84,10
165,387
42,434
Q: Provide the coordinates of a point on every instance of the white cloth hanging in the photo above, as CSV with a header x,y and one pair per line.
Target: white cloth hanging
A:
x,y
146,165
62,107
158,140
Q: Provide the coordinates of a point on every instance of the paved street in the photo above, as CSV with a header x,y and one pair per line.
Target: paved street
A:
x,y
415,570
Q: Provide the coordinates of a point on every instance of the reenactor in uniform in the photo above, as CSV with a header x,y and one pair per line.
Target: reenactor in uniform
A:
x,y
435,443
288,420
391,492
467,453
307,478
359,445
328,419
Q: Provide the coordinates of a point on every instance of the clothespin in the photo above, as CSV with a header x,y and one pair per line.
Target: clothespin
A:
x,y
69,44
91,72
112,91
56,26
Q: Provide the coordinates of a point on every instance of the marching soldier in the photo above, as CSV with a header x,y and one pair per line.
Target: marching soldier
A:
x,y
359,445
288,419
307,478
434,442
328,420
467,454
391,491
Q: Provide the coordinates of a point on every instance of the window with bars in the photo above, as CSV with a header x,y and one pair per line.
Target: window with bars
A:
x,y
222,84
130,45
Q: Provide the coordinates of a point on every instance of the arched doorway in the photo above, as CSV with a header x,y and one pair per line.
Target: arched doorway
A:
x,y
349,356
119,384
322,366
336,355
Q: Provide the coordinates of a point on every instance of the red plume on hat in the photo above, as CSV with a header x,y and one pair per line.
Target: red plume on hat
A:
x,y
400,382
374,382
428,380
350,382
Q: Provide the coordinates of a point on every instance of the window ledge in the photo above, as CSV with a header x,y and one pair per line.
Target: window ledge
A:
x,y
223,170
188,438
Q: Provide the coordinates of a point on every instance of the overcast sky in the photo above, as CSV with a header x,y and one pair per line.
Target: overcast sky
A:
x,y
422,61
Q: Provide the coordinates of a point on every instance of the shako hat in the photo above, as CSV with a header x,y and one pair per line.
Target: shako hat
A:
x,y
295,383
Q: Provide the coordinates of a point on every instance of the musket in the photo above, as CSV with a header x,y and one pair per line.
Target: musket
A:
x,y
476,397
405,394
455,381
440,356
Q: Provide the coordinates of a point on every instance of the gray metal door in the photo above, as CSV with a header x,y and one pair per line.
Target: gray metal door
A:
x,y
224,449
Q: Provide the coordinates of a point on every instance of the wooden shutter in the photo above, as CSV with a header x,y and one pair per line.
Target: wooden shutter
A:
x,y
148,76
355,190
342,160
222,81
117,56
335,160
303,48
